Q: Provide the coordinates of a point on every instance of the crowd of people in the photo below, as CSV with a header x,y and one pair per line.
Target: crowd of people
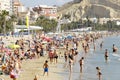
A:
x,y
11,59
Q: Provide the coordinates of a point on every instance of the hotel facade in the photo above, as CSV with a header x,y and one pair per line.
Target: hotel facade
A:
x,y
47,11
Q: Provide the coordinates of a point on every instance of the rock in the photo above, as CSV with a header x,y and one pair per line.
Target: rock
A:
x,y
78,9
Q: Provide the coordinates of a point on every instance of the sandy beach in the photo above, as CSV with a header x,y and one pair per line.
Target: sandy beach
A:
x,y
32,67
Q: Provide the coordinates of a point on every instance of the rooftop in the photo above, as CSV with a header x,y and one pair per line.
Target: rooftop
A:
x,y
45,6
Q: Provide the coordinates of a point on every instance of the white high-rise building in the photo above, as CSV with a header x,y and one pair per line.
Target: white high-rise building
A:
x,y
6,5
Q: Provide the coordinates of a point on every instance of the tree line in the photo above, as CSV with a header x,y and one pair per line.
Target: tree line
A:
x,y
6,22
49,25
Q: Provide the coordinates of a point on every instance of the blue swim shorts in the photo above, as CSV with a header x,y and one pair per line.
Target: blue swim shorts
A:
x,y
45,69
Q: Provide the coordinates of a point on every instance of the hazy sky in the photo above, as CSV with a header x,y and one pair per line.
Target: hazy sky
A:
x,y
31,3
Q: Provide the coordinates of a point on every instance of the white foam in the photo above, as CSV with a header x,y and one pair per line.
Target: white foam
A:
x,y
116,55
108,60
91,49
119,59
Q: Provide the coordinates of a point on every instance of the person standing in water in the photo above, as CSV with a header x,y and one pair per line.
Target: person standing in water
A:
x,y
81,64
94,46
101,45
99,73
114,48
106,55
45,66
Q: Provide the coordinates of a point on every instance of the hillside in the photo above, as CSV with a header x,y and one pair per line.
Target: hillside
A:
x,y
92,8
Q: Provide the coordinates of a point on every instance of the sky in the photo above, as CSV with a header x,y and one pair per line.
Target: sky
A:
x,y
31,3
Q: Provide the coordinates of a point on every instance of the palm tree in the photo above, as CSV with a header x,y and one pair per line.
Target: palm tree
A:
x,y
12,21
6,22
3,15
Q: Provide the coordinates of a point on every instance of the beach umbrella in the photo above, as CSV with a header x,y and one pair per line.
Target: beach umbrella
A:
x,y
13,46
54,37
44,42
7,51
69,37
47,39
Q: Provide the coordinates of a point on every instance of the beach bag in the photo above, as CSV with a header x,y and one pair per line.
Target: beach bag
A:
x,y
12,76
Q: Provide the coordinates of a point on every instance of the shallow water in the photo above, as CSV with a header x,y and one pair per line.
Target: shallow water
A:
x,y
110,70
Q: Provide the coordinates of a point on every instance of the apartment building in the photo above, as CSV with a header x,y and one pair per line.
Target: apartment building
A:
x,y
47,11
6,5
16,5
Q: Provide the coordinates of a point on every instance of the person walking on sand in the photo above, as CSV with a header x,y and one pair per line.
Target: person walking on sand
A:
x,y
55,56
106,55
66,55
51,56
81,64
45,66
99,73
70,62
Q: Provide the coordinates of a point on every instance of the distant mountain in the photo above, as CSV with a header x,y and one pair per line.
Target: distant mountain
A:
x,y
78,9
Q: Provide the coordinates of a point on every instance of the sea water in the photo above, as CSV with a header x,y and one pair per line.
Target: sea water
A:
x,y
110,70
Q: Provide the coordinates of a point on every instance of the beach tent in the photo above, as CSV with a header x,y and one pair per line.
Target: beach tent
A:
x,y
30,27
18,28
13,46
35,28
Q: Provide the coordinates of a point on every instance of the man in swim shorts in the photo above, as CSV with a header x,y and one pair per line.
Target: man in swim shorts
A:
x,y
45,66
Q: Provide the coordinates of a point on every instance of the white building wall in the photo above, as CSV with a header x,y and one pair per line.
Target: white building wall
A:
x,y
22,9
6,5
118,23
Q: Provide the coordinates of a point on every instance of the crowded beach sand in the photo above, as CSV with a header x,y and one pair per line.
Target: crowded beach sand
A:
x,y
29,64
34,67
